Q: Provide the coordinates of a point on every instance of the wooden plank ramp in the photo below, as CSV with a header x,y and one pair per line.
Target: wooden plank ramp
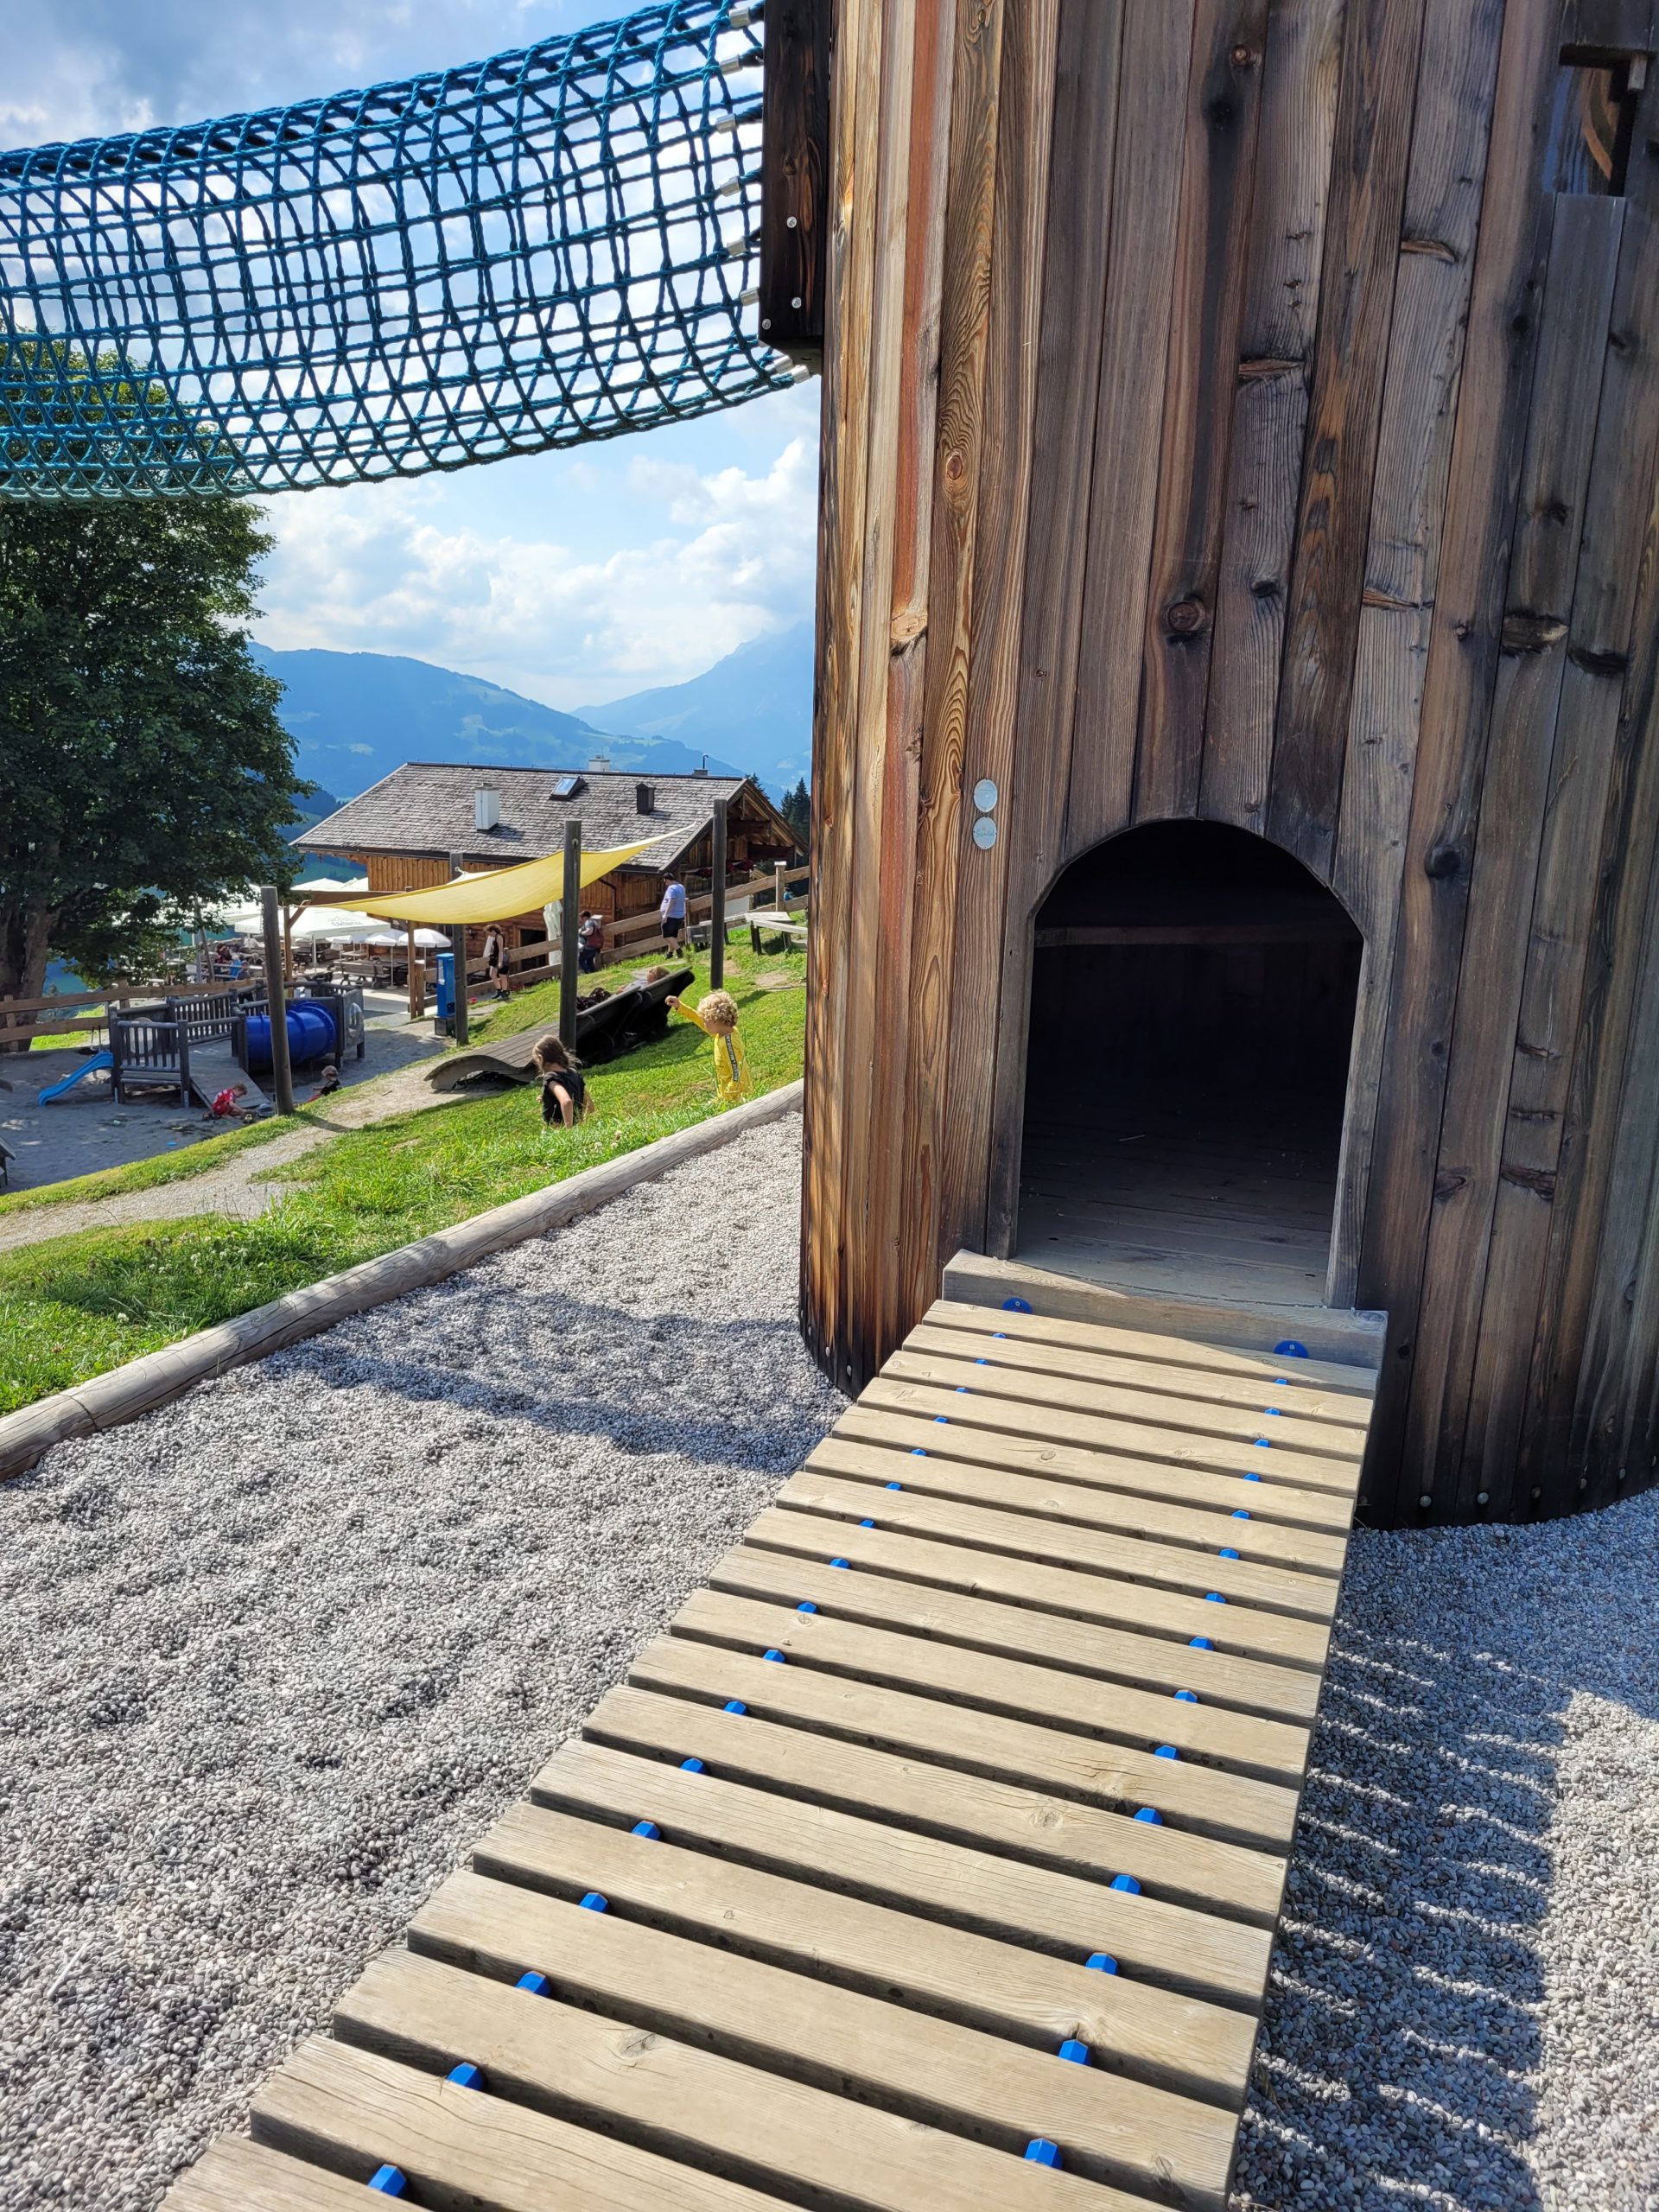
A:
x,y
929,1862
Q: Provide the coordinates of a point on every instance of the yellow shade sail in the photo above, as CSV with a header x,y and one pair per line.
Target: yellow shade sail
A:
x,y
499,894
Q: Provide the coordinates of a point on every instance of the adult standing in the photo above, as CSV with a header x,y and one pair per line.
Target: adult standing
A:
x,y
672,911
495,953
590,942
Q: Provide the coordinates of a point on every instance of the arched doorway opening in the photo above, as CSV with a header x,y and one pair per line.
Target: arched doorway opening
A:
x,y
1192,1001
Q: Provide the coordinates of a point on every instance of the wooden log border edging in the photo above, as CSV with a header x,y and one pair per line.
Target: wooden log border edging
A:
x,y
141,1385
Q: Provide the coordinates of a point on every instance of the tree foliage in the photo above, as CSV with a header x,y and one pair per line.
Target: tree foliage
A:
x,y
144,770
796,811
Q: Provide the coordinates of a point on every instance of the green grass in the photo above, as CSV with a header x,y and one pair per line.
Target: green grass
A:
x,y
74,1305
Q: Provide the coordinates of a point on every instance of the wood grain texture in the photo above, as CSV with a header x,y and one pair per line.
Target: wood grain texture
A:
x,y
1439,228
1267,317
1489,442
1183,2044
1373,137
1276,360
1549,529
1223,108
960,461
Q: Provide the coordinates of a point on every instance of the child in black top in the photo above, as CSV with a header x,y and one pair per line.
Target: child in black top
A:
x,y
564,1094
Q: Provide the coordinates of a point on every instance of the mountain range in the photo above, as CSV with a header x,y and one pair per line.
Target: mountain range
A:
x,y
354,717
755,706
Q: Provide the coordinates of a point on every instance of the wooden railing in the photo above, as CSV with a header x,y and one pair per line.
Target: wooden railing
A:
x,y
24,1019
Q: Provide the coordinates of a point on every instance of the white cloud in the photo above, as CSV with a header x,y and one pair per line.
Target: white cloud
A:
x,y
721,557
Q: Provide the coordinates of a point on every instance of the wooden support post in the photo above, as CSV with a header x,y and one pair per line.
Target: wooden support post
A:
x,y
794,178
569,937
781,886
459,1009
282,1072
717,901
413,980
288,948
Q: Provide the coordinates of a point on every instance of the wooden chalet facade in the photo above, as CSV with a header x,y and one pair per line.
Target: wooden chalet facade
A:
x,y
408,830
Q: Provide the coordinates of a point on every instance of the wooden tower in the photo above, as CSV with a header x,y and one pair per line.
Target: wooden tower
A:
x,y
1237,658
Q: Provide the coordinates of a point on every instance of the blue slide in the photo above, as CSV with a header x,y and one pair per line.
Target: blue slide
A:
x,y
91,1067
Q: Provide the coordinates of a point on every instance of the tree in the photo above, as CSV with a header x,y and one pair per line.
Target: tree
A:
x,y
796,811
144,772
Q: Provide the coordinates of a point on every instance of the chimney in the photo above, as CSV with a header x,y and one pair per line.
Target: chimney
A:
x,y
600,764
486,808
644,799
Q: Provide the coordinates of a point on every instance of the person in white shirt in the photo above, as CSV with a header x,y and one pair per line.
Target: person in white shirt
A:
x,y
672,912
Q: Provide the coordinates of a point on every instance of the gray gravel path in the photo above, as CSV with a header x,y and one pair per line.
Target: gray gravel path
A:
x,y
269,1660
1464,2010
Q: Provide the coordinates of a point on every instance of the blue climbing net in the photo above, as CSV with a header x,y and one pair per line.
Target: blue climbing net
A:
x,y
533,252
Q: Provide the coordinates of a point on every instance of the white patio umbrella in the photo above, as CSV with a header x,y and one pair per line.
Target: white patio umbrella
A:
x,y
427,940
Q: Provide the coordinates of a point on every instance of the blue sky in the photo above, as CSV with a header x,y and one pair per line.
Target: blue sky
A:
x,y
573,577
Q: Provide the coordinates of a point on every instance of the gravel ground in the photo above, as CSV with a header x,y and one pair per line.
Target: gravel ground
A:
x,y
1464,2010
246,1741
271,1658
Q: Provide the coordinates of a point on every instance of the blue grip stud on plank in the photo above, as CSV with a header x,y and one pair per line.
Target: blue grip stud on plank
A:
x,y
466,2075
649,1829
806,1605
838,1562
776,1657
1166,1751
734,1704
1240,1513
1074,2053
1250,1478
690,1766
867,1524
1289,1349
593,1903
1102,1962
1128,1884
1187,1697
1000,1336
534,1982
1199,1643
389,2181
1274,1411
1226,1552
1214,1598
1151,1815
920,1455
1015,1305
1039,2152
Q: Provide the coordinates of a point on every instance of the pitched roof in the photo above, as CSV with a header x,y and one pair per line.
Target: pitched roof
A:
x,y
426,807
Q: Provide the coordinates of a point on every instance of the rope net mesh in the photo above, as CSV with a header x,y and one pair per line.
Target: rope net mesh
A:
x,y
543,249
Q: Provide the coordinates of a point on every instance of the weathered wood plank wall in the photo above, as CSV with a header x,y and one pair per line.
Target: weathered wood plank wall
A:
x,y
1226,417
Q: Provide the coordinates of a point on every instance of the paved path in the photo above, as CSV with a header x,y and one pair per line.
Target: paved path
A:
x,y
238,1188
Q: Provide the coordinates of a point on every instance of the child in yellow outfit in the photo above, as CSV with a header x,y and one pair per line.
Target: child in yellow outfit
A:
x,y
717,1018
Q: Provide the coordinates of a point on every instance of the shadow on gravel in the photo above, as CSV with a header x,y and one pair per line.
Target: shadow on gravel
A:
x,y
629,1392
1404,2022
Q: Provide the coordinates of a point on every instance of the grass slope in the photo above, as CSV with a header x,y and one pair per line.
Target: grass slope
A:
x,y
74,1305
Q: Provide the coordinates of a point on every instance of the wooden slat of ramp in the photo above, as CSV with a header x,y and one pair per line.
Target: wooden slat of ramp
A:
x,y
950,1738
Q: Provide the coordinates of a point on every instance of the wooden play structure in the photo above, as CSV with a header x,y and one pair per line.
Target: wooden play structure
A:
x,y
1234,951
928,1863
1237,766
